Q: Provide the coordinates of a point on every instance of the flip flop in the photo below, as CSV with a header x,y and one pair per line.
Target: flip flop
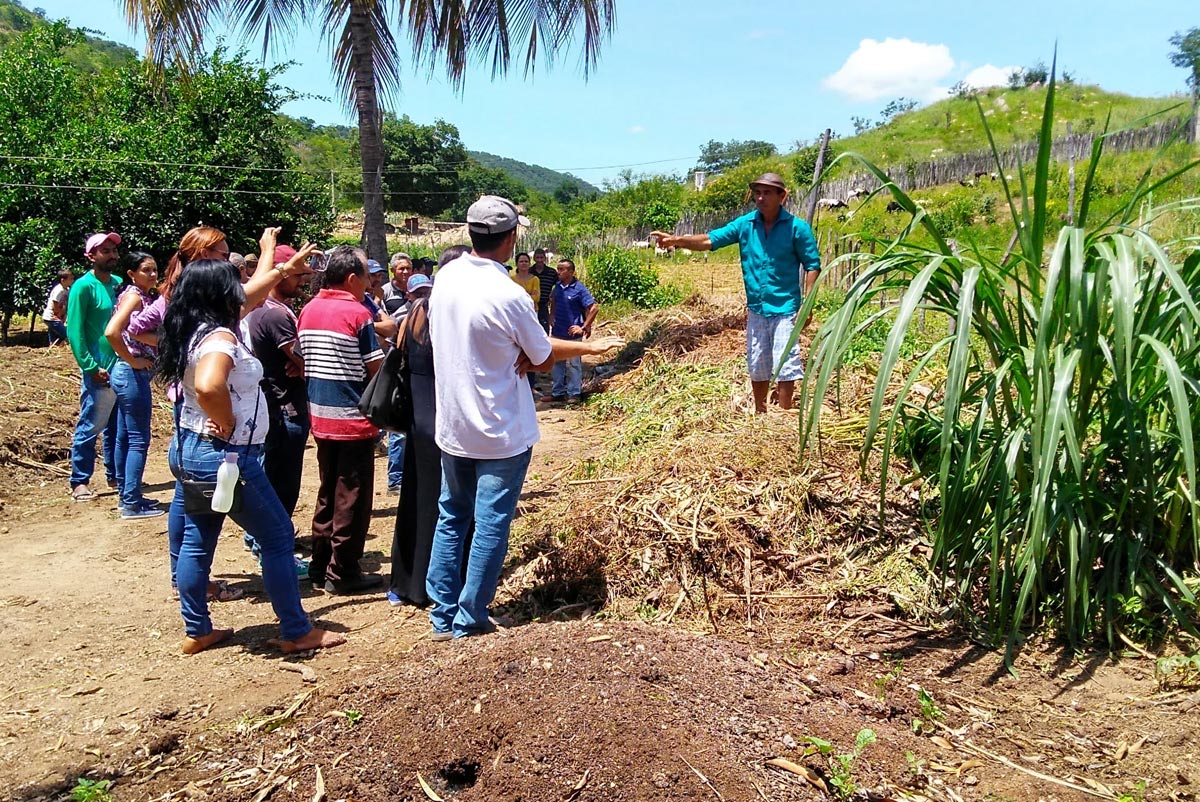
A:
x,y
225,593
82,493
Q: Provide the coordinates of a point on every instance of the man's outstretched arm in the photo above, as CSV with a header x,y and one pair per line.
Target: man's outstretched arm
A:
x,y
693,242
565,349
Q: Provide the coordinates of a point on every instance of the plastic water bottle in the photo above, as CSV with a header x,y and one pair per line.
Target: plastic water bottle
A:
x,y
227,476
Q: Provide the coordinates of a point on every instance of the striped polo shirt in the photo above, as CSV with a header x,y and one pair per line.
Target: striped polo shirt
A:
x,y
337,341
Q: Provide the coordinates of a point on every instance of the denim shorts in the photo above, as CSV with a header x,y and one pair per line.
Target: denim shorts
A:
x,y
766,337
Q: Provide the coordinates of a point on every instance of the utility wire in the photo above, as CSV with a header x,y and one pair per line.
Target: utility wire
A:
x,y
412,169
221,191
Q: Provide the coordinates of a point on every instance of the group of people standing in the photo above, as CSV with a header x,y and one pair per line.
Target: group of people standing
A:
x,y
250,380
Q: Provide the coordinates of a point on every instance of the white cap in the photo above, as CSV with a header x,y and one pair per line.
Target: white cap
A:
x,y
493,214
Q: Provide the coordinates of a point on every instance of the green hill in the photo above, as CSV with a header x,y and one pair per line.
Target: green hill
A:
x,y
93,55
533,176
953,125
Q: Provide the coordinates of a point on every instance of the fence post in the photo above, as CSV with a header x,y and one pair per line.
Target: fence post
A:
x,y
816,186
1070,178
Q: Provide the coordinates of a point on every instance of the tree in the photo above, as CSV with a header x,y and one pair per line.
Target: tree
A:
x,y
716,157
895,108
1186,55
421,165
111,151
566,192
366,59
478,180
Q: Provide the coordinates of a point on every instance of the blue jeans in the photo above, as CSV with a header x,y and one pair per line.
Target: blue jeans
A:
x,y
487,491
261,515
96,404
284,457
133,442
395,459
56,332
568,377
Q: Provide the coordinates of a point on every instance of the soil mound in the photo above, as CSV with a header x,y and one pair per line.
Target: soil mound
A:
x,y
577,711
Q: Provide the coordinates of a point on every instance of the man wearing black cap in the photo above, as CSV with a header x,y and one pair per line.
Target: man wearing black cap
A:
x,y
775,247
482,325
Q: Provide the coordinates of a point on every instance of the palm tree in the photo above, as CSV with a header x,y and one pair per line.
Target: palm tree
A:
x,y
366,60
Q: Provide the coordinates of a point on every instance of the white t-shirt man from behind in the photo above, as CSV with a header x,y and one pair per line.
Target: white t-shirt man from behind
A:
x,y
481,325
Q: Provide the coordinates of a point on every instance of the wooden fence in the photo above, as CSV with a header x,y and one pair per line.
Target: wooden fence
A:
x,y
981,165
977,166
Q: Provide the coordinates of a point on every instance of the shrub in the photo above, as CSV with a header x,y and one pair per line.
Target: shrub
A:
x,y
615,274
1064,460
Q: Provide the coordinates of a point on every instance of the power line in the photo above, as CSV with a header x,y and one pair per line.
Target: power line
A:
x,y
221,191
411,169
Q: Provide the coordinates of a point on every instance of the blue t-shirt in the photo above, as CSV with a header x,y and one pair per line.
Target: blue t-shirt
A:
x,y
571,302
771,262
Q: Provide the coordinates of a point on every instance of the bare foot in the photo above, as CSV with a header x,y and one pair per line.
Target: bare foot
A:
x,y
194,645
316,638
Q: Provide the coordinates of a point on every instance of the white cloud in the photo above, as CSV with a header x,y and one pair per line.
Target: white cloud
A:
x,y
988,75
637,129
893,68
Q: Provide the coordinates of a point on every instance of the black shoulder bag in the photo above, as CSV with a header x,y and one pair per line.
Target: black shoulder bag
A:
x,y
198,494
387,400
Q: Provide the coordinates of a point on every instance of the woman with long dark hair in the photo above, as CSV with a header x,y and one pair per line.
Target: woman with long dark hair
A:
x,y
130,380
222,411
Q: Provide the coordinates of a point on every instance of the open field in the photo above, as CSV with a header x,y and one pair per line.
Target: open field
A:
x,y
731,609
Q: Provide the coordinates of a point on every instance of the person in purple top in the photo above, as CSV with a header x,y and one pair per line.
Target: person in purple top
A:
x,y
572,311
130,380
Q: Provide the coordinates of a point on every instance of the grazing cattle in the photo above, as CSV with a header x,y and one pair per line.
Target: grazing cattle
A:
x,y
894,206
966,182
856,194
637,243
830,203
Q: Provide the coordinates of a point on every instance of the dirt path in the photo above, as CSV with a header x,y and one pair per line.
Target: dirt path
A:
x,y
92,633
93,683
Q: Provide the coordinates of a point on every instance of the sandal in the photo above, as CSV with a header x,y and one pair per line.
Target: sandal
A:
x,y
82,493
224,593
217,591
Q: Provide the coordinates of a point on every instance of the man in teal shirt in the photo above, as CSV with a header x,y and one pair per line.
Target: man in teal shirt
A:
x,y
775,247
89,307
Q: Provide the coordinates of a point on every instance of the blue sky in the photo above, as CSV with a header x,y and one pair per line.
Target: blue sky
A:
x,y
678,73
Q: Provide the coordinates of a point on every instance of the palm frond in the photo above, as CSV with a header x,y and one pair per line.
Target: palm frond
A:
x,y
175,29
497,32
273,20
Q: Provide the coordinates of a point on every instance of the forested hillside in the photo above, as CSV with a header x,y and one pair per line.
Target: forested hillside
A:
x,y
534,176
91,55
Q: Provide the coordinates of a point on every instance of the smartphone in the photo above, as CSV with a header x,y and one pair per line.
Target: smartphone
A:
x,y
317,262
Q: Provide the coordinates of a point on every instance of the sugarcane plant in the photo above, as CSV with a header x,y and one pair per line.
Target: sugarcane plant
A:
x,y
1054,423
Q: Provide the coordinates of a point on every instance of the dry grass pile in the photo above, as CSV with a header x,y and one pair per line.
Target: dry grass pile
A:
x,y
700,509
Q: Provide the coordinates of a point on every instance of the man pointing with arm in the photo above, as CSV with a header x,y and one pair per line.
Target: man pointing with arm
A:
x,y
780,265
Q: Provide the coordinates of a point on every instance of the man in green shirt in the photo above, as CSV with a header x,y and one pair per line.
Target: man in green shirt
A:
x,y
780,264
89,307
